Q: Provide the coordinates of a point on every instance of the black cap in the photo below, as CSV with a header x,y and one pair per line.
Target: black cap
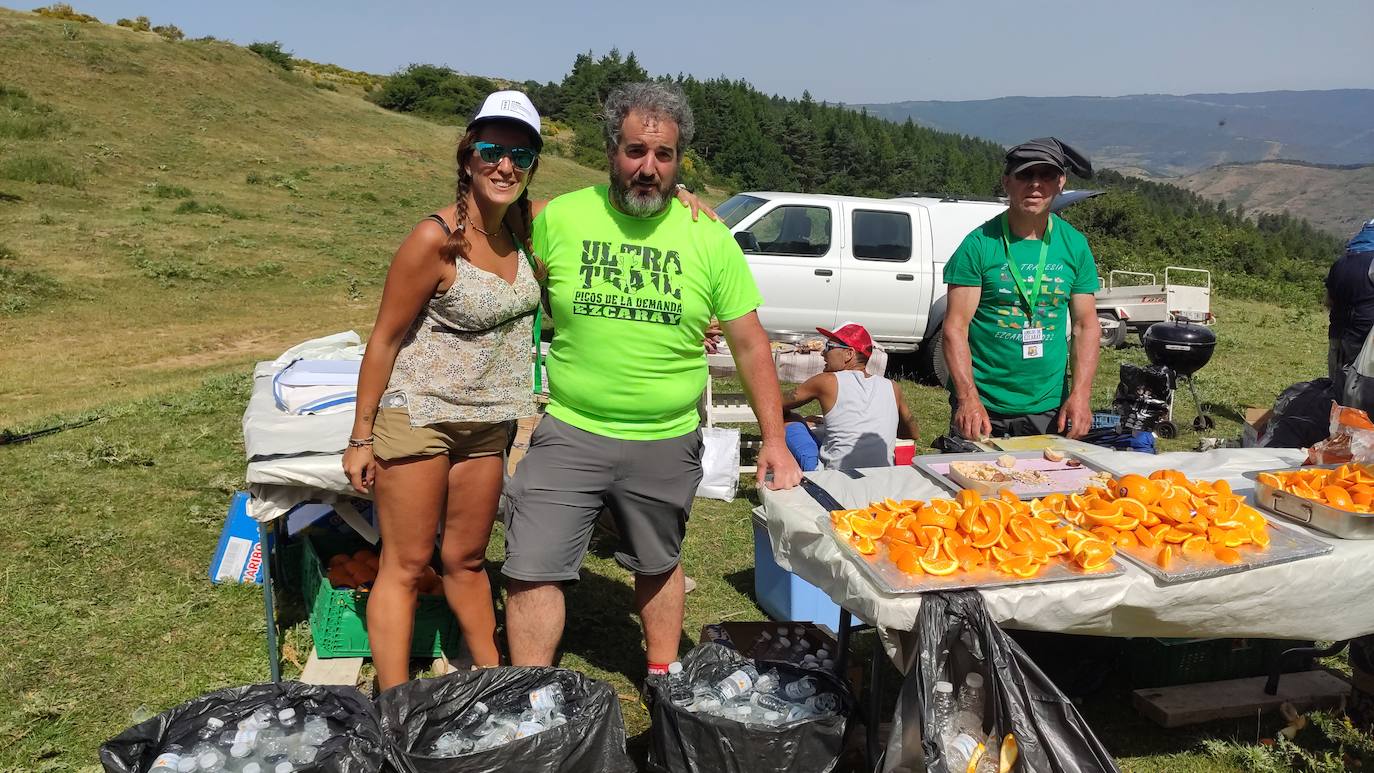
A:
x,y
1048,150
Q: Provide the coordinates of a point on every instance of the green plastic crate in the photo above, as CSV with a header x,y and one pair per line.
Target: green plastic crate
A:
x,y
338,616
1167,662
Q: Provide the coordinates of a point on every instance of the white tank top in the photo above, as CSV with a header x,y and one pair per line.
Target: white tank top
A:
x,y
861,429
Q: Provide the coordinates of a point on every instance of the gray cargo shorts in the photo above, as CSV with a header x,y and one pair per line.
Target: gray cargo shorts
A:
x,y
566,478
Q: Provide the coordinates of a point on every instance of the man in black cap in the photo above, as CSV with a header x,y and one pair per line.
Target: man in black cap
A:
x,y
1016,284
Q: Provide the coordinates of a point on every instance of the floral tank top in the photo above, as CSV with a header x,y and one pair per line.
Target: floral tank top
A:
x,y
468,355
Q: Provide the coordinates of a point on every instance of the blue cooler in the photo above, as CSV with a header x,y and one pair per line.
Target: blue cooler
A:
x,y
783,595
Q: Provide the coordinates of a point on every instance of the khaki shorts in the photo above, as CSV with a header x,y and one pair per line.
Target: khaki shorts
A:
x,y
394,438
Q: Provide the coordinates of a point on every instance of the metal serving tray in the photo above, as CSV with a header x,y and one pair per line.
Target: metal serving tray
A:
x,y
887,578
1322,517
936,467
1286,543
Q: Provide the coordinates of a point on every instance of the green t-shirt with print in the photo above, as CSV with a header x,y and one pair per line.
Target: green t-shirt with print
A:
x,y
631,298
1007,383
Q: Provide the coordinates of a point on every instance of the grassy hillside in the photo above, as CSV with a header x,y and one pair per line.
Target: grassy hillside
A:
x,y
171,208
1336,199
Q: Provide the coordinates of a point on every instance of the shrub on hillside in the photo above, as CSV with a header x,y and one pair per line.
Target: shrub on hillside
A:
x,y
137,24
38,168
272,52
169,31
434,91
21,118
64,12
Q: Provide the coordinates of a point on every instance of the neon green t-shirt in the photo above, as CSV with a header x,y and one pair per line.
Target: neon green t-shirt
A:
x,y
1008,384
631,298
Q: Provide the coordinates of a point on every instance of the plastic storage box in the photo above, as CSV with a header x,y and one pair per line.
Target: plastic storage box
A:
x,y
783,595
338,616
1166,662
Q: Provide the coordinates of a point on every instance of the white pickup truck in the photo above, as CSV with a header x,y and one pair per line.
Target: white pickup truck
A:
x,y
820,260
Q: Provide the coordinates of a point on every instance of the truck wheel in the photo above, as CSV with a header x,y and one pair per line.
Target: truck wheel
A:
x,y
1113,337
933,367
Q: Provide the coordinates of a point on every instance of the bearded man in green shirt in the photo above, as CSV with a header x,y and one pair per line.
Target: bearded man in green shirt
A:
x,y
1017,284
633,284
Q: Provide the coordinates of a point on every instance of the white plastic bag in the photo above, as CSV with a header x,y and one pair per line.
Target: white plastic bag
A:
x,y
1359,379
719,463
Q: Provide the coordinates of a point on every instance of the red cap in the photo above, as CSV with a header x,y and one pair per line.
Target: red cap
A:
x,y
852,335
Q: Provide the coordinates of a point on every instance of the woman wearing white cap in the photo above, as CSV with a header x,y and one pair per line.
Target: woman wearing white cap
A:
x,y
445,376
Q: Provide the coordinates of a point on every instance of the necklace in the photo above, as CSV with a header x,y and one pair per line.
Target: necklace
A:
x,y
482,230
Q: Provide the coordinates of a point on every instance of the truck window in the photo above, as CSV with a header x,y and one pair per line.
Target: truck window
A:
x,y
794,230
882,235
738,207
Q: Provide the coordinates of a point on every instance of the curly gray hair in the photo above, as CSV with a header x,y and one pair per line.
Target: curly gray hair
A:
x,y
661,100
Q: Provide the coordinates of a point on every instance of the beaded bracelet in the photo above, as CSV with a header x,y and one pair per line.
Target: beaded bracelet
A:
x,y
360,442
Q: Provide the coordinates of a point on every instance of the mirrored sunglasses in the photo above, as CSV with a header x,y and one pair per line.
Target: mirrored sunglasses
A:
x,y
491,153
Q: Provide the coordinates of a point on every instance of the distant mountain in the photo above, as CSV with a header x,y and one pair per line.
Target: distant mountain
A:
x,y
1335,199
1169,135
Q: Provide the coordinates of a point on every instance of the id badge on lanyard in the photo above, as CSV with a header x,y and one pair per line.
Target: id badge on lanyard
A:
x,y
1032,335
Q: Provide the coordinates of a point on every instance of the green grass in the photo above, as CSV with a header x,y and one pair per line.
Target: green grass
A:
x,y
40,168
22,291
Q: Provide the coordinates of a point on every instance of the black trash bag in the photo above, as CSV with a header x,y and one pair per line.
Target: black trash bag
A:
x,y
956,636
359,750
684,742
1302,415
416,713
1143,396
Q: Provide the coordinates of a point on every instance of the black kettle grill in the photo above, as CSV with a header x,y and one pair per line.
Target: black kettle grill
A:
x,y
1184,348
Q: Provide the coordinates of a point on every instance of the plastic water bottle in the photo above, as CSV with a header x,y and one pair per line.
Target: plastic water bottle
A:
x,y
959,751
801,689
992,753
679,689
290,723
766,702
772,718
316,730
284,767
168,760
799,712
738,682
942,710
969,719
187,764
210,762
239,752
303,754
213,727
251,767
744,714
547,699
769,682
823,703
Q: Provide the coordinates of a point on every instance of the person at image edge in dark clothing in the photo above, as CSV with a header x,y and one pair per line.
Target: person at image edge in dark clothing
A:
x,y
1350,297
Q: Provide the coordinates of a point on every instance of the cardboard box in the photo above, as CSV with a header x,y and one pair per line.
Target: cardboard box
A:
x,y
1256,422
239,556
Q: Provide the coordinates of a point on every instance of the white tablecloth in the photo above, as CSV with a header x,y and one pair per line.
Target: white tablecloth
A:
x,y
1325,597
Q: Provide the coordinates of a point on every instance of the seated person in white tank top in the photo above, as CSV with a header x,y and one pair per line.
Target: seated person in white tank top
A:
x,y
864,414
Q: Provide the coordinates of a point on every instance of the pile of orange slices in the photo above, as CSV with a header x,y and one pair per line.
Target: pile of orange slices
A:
x,y
1166,516
944,536
1348,487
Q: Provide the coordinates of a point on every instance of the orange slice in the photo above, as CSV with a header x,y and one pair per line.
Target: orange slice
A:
x,y
1095,557
864,545
1227,555
1021,566
1260,536
1165,557
1173,534
931,518
968,498
1236,537
1337,497
939,566
867,527
968,557
1054,502
994,533
910,564
1144,538
1196,547
1139,488
1126,539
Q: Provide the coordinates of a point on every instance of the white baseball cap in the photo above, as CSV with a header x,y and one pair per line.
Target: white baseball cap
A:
x,y
510,106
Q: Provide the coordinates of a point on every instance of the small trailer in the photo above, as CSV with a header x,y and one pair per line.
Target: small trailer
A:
x,y
1131,301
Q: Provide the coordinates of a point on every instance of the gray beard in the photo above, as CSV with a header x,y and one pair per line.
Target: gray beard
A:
x,y
633,205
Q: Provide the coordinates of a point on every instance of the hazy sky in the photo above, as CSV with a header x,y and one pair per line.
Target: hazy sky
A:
x,y
849,51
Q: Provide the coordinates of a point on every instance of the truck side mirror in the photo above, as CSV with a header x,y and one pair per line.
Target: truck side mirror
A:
x,y
747,241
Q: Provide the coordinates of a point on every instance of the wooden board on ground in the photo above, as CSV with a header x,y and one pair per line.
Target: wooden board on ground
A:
x,y
1190,704
320,670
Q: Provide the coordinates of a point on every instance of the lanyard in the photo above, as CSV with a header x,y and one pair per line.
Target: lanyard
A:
x,y
1029,296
